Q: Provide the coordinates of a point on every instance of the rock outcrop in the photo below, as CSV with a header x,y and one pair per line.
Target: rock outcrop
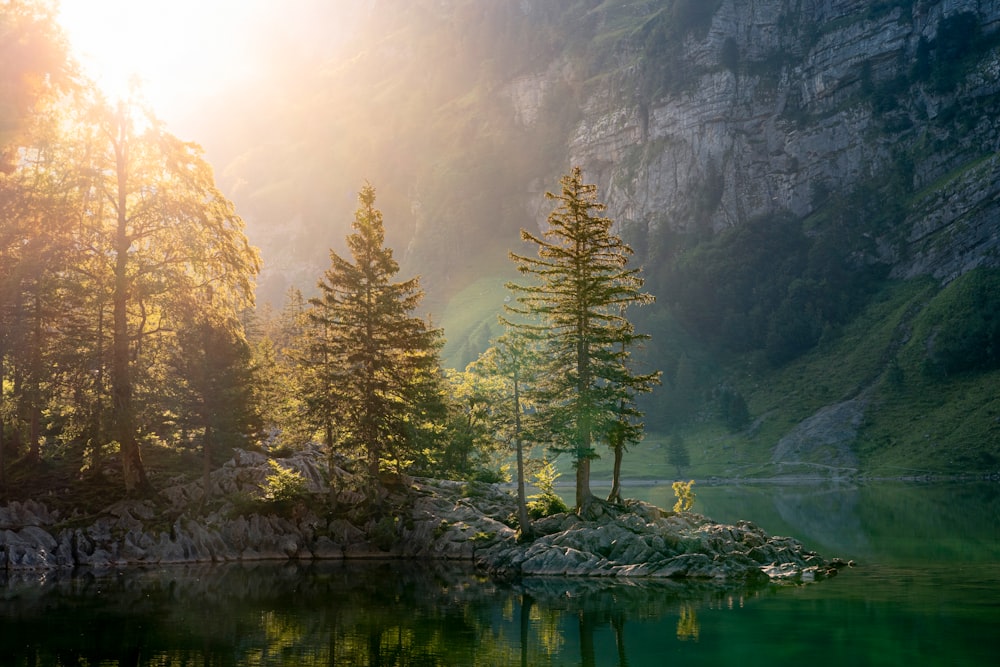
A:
x,y
640,540
778,106
697,122
413,519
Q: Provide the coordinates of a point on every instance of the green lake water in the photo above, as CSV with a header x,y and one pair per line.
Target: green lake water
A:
x,y
925,591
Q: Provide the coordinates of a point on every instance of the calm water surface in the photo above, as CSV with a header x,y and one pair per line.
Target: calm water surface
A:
x,y
926,591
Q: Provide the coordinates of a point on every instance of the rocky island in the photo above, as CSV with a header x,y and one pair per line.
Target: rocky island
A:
x,y
414,518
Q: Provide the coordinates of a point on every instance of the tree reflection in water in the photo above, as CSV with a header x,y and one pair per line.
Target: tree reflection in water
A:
x,y
687,624
370,613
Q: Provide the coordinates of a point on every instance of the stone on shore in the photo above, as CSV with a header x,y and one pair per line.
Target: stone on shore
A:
x,y
413,518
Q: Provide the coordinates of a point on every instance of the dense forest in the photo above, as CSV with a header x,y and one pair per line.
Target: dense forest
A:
x,y
129,327
136,343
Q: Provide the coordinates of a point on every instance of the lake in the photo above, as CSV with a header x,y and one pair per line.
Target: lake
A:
x,y
925,591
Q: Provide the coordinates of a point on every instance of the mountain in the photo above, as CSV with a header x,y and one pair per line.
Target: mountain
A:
x,y
787,171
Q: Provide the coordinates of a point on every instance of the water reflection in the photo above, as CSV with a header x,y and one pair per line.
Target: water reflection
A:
x,y
873,522
687,624
384,613
605,613
927,592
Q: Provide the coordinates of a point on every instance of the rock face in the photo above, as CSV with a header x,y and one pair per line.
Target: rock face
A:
x,y
756,107
827,435
777,106
415,519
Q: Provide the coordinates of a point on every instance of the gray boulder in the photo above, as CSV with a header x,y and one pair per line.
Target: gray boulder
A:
x,y
410,518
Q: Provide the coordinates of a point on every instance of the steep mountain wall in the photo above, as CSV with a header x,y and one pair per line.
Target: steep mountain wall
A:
x,y
692,116
785,105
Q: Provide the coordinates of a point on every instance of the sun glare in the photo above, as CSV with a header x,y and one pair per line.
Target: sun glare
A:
x,y
177,50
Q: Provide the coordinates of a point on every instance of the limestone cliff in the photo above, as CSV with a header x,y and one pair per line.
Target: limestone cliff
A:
x,y
689,115
782,105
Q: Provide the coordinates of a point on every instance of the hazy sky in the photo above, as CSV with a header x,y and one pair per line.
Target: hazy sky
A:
x,y
188,51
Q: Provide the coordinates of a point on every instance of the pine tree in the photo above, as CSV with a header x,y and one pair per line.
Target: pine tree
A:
x,y
281,372
575,308
380,368
215,387
677,453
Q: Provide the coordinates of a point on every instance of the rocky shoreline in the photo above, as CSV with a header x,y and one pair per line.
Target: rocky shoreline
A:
x,y
416,519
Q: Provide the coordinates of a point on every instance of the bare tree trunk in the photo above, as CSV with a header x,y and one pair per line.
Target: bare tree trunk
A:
x,y
34,391
97,437
34,429
522,502
373,462
328,435
585,432
618,442
616,486
583,493
206,458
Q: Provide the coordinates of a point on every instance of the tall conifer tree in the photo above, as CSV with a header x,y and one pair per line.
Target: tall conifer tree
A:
x,y
575,308
380,360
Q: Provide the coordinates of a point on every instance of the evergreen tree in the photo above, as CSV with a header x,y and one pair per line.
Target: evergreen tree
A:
x,y
677,453
279,377
472,398
626,431
575,308
215,386
380,366
511,360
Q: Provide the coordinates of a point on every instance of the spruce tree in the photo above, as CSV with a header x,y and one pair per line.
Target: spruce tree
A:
x,y
575,308
380,363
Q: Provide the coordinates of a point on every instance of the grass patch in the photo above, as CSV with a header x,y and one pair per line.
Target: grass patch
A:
x,y
926,425
470,320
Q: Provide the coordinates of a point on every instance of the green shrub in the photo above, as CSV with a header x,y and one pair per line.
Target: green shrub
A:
x,y
546,504
282,492
489,476
284,485
685,496
548,501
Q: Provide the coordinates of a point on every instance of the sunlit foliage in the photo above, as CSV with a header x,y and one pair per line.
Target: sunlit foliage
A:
x,y
378,369
120,265
575,308
685,496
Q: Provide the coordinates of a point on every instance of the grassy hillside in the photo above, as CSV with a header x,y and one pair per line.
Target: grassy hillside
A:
x,y
919,420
